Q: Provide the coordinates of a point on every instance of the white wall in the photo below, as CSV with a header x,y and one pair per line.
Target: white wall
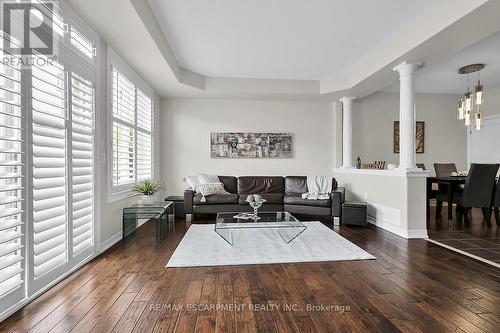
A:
x,y
396,199
445,136
483,145
186,125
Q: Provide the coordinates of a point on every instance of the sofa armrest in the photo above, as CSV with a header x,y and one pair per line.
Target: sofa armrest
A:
x,y
338,198
188,201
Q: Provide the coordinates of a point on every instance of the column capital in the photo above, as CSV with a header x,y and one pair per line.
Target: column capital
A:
x,y
347,99
407,67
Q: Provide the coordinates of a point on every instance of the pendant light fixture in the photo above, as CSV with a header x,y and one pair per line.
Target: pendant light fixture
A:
x,y
469,103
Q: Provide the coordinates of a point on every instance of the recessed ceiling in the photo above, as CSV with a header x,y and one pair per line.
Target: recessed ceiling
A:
x,y
284,39
442,77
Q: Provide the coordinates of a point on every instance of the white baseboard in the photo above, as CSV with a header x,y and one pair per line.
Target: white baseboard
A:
x,y
408,234
110,242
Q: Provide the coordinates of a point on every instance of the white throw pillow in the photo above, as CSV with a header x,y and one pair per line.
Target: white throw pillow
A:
x,y
208,179
193,182
210,189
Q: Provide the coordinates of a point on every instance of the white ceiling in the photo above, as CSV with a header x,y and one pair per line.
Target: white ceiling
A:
x,y
285,39
442,77
440,29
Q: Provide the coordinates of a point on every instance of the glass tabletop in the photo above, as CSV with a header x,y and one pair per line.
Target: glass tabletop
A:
x,y
146,209
154,205
262,220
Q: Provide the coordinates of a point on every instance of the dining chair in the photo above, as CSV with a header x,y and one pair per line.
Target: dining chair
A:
x,y
478,191
443,170
496,203
421,166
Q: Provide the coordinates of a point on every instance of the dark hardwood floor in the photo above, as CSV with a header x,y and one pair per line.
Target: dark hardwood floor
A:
x,y
478,239
412,286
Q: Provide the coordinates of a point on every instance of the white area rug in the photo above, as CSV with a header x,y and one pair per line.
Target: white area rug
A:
x,y
202,246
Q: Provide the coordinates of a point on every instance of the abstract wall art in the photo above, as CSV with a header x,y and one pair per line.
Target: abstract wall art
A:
x,y
251,145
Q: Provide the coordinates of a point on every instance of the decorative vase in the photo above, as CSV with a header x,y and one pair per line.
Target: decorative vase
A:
x,y
358,163
255,201
147,199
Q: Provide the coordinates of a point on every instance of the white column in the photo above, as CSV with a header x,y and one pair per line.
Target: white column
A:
x,y
347,131
406,114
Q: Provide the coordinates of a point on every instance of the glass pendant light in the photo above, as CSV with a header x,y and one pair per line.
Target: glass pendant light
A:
x,y
461,109
467,118
479,121
479,93
468,101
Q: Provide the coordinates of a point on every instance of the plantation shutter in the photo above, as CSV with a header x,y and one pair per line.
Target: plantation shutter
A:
x,y
47,158
50,219
12,238
82,119
132,132
144,140
124,153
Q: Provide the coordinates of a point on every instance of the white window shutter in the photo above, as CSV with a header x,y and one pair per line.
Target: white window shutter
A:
x,y
123,98
144,155
12,238
82,118
144,137
49,168
82,44
123,154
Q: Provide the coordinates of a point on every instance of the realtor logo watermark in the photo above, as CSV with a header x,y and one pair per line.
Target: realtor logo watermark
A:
x,y
27,32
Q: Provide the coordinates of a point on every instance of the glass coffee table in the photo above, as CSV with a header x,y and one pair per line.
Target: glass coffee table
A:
x,y
285,224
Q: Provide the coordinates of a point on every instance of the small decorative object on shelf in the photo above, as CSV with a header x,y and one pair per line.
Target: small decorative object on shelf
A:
x,y
358,163
460,173
255,202
379,165
147,189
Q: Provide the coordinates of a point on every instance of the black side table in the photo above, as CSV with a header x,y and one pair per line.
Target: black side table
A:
x,y
354,213
158,211
178,201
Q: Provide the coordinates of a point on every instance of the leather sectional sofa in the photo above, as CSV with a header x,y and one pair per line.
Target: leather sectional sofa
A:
x,y
281,193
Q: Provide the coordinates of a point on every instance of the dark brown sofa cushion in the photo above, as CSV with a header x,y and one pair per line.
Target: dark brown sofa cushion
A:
x,y
295,184
230,183
260,185
270,199
297,200
216,199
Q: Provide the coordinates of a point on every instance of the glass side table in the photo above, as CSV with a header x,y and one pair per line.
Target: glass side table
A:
x,y
159,211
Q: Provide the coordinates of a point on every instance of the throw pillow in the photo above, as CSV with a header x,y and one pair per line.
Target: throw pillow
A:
x,y
193,182
208,179
210,189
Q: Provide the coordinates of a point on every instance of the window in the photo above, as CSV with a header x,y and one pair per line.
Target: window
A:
x,y
47,161
132,140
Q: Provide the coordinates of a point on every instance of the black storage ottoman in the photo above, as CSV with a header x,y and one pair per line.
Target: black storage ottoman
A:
x,y
354,213
178,205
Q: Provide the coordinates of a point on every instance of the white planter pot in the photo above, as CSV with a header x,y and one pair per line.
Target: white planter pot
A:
x,y
147,199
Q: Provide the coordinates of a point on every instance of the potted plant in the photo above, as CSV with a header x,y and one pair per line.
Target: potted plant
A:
x,y
147,189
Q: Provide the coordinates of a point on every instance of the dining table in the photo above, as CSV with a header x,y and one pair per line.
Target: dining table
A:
x,y
450,182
